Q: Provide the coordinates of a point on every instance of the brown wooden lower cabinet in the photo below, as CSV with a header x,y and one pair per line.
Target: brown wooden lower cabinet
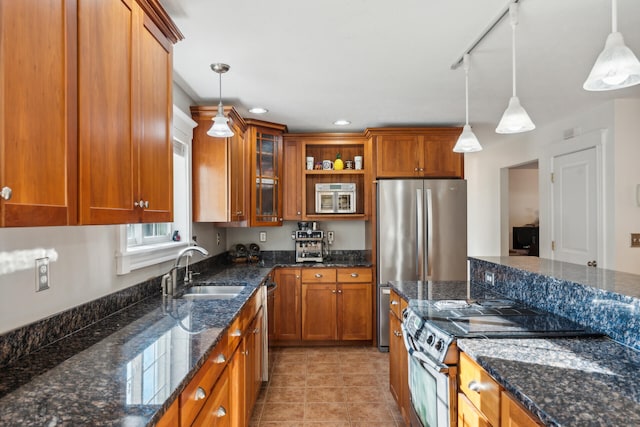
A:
x,y
171,418
225,389
287,300
398,359
483,403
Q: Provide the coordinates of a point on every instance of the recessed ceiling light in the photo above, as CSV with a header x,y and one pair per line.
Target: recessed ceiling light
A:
x,y
258,110
342,122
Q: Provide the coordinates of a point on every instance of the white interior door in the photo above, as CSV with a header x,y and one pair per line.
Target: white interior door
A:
x,y
575,207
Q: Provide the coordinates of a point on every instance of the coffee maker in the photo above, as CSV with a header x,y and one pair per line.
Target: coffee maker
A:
x,y
310,245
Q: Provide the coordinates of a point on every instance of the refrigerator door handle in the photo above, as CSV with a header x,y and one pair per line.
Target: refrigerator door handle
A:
x,y
420,255
429,257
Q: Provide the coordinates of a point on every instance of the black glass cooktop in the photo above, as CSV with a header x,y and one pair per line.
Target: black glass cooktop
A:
x,y
494,318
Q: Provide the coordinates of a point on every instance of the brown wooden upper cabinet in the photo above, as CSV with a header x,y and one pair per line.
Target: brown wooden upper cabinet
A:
x,y
125,110
265,143
300,183
85,122
220,170
417,152
37,114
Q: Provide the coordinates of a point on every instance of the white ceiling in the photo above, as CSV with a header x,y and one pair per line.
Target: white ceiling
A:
x,y
388,63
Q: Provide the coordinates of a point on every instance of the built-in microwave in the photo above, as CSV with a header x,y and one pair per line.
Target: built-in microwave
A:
x,y
336,198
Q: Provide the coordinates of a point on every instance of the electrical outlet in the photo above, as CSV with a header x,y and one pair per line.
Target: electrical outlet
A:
x,y
263,236
217,238
330,236
489,277
42,274
635,240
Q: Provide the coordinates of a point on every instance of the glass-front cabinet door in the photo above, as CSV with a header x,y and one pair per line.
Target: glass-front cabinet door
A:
x,y
266,167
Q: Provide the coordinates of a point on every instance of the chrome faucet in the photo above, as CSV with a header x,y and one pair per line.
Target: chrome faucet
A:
x,y
170,280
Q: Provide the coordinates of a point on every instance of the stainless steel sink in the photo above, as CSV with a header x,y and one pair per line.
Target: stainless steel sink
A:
x,y
213,291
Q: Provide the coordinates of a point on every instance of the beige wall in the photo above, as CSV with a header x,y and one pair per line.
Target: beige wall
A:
x,y
487,174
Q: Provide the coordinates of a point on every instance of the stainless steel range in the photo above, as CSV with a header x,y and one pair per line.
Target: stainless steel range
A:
x,y
430,329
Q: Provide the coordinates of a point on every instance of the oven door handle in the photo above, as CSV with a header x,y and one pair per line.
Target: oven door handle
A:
x,y
422,358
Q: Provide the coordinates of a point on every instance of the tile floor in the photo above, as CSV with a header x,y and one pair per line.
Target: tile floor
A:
x,y
327,387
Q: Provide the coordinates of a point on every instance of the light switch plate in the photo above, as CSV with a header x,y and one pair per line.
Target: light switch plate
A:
x,y
263,236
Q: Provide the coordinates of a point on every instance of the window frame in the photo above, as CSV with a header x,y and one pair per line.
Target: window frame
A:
x,y
129,258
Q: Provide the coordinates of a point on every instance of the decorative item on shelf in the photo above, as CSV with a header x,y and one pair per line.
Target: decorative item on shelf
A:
x,y
254,253
348,164
220,127
357,160
318,166
338,164
327,165
309,163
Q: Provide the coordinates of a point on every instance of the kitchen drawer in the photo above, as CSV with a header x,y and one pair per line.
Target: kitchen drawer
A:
x,y
480,388
215,412
234,334
468,415
194,396
395,304
354,275
318,275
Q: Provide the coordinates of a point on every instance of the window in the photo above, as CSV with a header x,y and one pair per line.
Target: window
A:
x,y
142,245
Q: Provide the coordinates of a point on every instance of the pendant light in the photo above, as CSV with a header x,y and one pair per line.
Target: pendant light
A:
x,y
616,67
220,128
467,141
515,119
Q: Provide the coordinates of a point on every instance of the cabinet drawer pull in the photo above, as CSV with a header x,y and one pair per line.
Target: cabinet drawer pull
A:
x,y
220,359
236,333
333,291
475,386
339,291
397,333
5,193
318,275
394,302
354,275
200,394
256,330
220,412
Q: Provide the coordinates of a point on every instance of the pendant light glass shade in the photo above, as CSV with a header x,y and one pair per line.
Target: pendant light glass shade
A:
x,y
616,67
220,127
467,141
515,119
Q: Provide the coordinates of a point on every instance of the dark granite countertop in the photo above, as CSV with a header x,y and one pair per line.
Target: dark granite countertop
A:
x,y
129,367
126,369
435,290
565,382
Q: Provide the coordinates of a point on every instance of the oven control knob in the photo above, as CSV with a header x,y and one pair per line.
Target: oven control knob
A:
x,y
430,339
439,345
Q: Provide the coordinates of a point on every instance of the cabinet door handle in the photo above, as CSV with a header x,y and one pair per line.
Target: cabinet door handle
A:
x,y
339,291
333,291
220,359
5,193
298,213
475,386
394,302
354,275
318,275
256,330
220,412
415,169
239,213
200,394
397,333
139,204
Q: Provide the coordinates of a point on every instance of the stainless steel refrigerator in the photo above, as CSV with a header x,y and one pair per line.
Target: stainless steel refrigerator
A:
x,y
421,235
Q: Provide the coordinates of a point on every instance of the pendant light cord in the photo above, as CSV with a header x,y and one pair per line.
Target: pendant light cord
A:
x,y
513,14
220,87
466,86
614,16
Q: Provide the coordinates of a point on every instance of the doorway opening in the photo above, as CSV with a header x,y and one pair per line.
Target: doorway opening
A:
x,y
524,209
